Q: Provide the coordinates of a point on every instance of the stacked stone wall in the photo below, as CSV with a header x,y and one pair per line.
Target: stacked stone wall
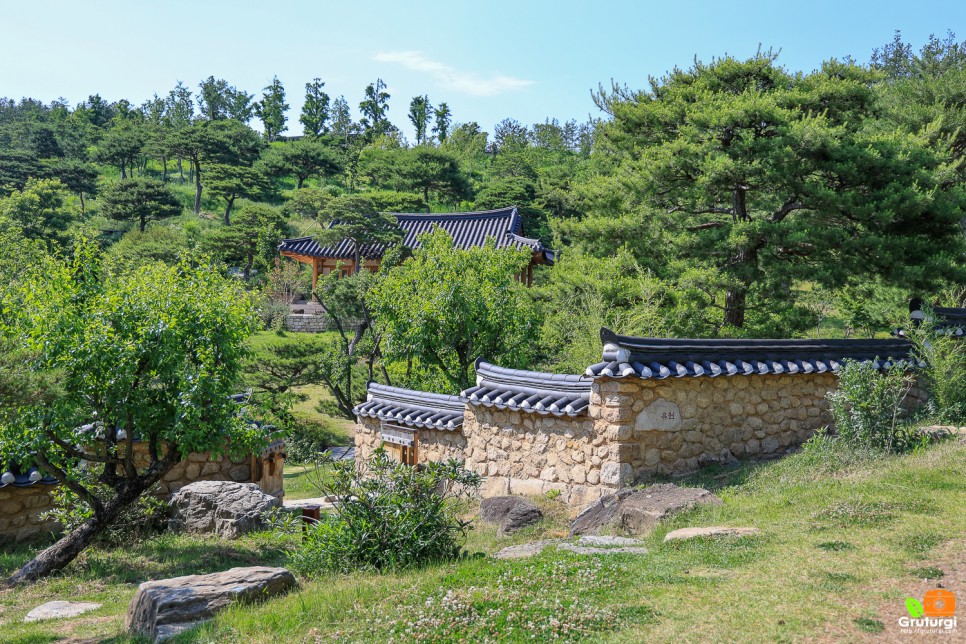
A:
x,y
434,444
21,507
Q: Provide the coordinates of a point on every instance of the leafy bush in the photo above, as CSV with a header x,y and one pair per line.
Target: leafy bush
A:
x,y
944,371
306,440
391,516
868,407
147,516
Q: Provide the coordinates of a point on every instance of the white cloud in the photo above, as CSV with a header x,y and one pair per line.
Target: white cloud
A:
x,y
453,79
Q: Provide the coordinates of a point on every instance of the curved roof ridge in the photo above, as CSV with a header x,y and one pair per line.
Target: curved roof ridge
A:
x,y
411,407
529,391
415,397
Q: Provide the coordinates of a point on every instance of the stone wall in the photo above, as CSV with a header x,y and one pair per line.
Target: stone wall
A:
x,y
434,444
635,429
306,323
20,510
21,507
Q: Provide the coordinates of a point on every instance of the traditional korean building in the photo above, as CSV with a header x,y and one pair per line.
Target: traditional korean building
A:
x,y
468,230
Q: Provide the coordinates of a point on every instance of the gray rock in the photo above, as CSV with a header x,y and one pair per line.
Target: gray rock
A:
x,y
595,540
523,551
636,511
510,512
713,531
223,508
59,610
591,550
161,609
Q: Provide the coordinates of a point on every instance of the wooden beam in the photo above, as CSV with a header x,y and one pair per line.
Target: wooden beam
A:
x,y
315,275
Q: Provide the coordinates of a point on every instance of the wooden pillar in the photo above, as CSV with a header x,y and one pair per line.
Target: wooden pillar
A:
x,y
530,274
315,275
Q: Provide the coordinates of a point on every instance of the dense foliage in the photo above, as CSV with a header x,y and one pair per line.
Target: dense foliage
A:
x,y
391,516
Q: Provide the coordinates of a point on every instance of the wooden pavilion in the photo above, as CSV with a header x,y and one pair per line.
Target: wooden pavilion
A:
x,y
468,230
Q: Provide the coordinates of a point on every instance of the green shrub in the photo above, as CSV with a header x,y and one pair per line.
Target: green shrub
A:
x,y
144,518
391,516
306,440
943,372
868,407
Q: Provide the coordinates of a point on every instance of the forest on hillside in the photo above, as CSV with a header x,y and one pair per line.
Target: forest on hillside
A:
x,y
733,198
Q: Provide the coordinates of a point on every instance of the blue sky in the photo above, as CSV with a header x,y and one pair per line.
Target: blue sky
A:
x,y
524,59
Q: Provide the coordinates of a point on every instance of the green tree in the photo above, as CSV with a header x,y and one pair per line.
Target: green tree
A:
x,y
16,168
304,158
167,244
374,108
428,169
154,354
253,238
39,211
307,202
760,179
443,119
419,116
444,307
315,109
141,200
271,109
355,218
217,100
231,182
77,176
120,147
341,118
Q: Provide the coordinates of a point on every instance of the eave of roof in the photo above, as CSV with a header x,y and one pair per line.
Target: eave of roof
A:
x,y
660,358
529,391
468,229
411,407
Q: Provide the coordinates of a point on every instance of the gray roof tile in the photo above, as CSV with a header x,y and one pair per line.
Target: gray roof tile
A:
x,y
468,229
411,407
529,391
660,358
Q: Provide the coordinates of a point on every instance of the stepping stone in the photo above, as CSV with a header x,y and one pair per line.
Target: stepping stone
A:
x,y
589,550
595,540
324,503
523,551
59,610
713,531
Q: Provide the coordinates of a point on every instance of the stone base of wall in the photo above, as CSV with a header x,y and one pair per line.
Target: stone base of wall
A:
x,y
20,510
306,323
434,444
21,507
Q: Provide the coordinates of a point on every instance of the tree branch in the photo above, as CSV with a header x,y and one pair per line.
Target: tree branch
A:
x,y
72,485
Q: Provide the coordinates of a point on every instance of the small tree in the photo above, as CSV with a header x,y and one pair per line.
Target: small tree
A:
x,y
141,200
443,118
302,159
315,109
420,116
271,109
39,210
78,176
254,237
355,218
446,307
151,355
231,182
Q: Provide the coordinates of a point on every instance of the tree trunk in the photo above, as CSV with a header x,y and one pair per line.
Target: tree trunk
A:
x,y
81,195
123,170
164,168
197,172
143,222
299,180
735,307
181,169
228,213
69,546
248,266
356,259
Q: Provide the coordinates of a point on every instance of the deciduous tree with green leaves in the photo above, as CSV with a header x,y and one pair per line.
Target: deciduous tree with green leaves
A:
x,y
39,211
420,115
151,355
271,109
442,309
315,109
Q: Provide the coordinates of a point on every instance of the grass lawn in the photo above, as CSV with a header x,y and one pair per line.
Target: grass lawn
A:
x,y
843,542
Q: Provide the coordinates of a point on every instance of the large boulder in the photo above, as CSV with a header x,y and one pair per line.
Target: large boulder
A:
x,y
224,508
636,511
509,512
162,609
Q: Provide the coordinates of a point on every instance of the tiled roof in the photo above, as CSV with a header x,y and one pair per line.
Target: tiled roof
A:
x,y
951,320
411,407
22,477
529,391
468,229
661,358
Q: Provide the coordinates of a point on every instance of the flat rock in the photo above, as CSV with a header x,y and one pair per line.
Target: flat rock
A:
x,y
523,551
161,609
595,540
59,610
223,508
637,511
712,531
323,502
510,512
590,550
